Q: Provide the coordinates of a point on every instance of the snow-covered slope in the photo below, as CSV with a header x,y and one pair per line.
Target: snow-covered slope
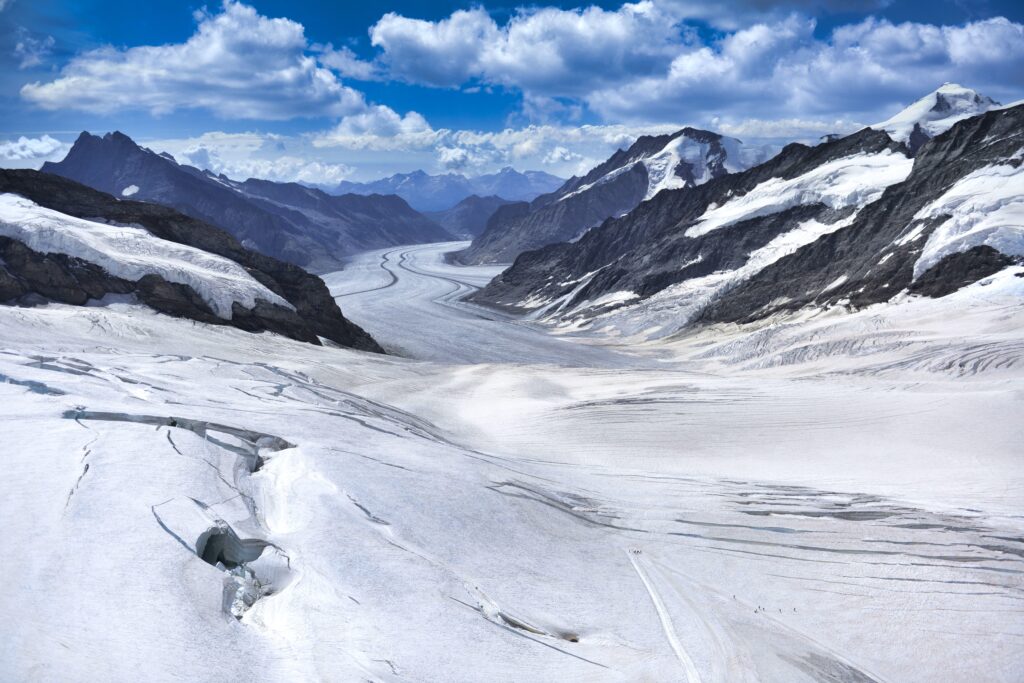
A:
x,y
935,113
132,253
853,180
688,159
698,244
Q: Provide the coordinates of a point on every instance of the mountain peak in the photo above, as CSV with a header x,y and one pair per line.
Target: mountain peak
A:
x,y
935,113
118,136
87,143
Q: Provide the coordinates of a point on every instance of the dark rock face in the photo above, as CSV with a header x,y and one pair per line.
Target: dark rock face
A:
x,y
285,220
648,246
180,300
435,193
647,250
917,138
468,218
582,203
57,277
54,276
959,270
365,221
548,219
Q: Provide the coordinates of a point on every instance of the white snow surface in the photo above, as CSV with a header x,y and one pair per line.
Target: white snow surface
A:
x,y
985,207
132,253
937,111
129,191
831,498
855,180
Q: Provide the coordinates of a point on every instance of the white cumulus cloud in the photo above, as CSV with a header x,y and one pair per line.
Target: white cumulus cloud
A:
x,y
284,168
31,152
645,61
559,154
546,51
238,64
254,155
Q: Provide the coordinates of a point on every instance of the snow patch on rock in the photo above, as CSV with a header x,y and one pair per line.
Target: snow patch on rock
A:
x,y
985,207
855,180
670,309
132,253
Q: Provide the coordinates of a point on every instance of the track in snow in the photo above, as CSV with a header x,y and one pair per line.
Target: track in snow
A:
x,y
689,668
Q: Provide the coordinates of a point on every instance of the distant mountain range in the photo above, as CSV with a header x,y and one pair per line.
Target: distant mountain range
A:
x,y
686,158
62,241
289,221
468,218
852,221
426,192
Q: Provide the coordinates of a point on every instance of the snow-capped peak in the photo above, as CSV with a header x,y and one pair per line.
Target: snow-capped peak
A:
x,y
687,158
935,113
664,167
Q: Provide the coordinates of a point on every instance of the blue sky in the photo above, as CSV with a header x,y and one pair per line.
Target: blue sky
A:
x,y
318,91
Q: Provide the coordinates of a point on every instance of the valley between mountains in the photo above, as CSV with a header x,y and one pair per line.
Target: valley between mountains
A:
x,y
706,414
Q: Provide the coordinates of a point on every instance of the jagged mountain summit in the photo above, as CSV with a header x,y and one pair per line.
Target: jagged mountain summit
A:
x,y
850,222
935,113
468,218
289,221
64,242
425,192
686,158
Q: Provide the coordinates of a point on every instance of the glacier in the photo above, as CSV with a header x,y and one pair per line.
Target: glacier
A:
x,y
192,501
